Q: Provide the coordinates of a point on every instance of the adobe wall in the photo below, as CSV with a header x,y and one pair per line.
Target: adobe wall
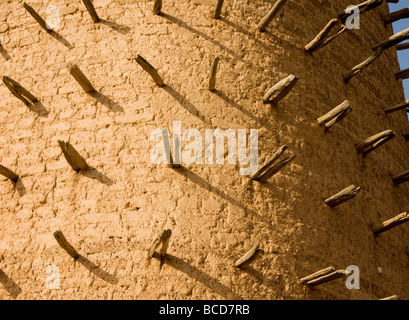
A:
x,y
112,213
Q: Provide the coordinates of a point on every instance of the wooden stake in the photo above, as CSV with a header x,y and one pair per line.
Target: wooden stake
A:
x,y
275,168
162,238
317,42
8,173
218,9
363,7
253,254
317,274
394,297
37,17
335,115
398,107
80,78
402,46
91,10
74,159
213,71
374,142
404,74
276,155
401,178
391,223
280,90
357,69
392,40
343,196
149,69
157,6
271,15
395,16
62,241
328,277
19,91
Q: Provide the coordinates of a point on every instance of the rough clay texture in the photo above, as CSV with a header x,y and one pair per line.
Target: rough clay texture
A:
x,y
112,212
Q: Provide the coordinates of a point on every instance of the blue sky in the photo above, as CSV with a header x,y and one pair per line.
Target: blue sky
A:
x,y
400,25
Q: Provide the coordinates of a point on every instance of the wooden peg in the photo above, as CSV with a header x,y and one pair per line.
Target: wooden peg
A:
x,y
322,38
404,74
62,241
218,9
271,167
394,297
213,71
149,69
253,254
80,78
74,159
8,173
401,178
162,238
395,16
402,46
358,68
37,17
280,90
375,142
271,15
401,106
317,274
327,278
391,223
171,164
91,10
343,196
335,115
363,7
157,6
19,91
392,40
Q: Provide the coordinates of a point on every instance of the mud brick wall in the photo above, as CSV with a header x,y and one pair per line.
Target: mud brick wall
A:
x,y
112,212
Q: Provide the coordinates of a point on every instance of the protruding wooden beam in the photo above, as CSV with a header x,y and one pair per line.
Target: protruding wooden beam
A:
x,y
74,159
322,39
335,115
8,173
271,15
401,106
391,223
375,142
80,78
213,71
401,178
253,254
404,74
402,46
218,9
149,69
157,6
392,40
394,297
91,10
162,238
358,68
343,196
395,16
171,164
37,17
317,274
363,7
19,91
280,90
327,278
271,167
62,241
